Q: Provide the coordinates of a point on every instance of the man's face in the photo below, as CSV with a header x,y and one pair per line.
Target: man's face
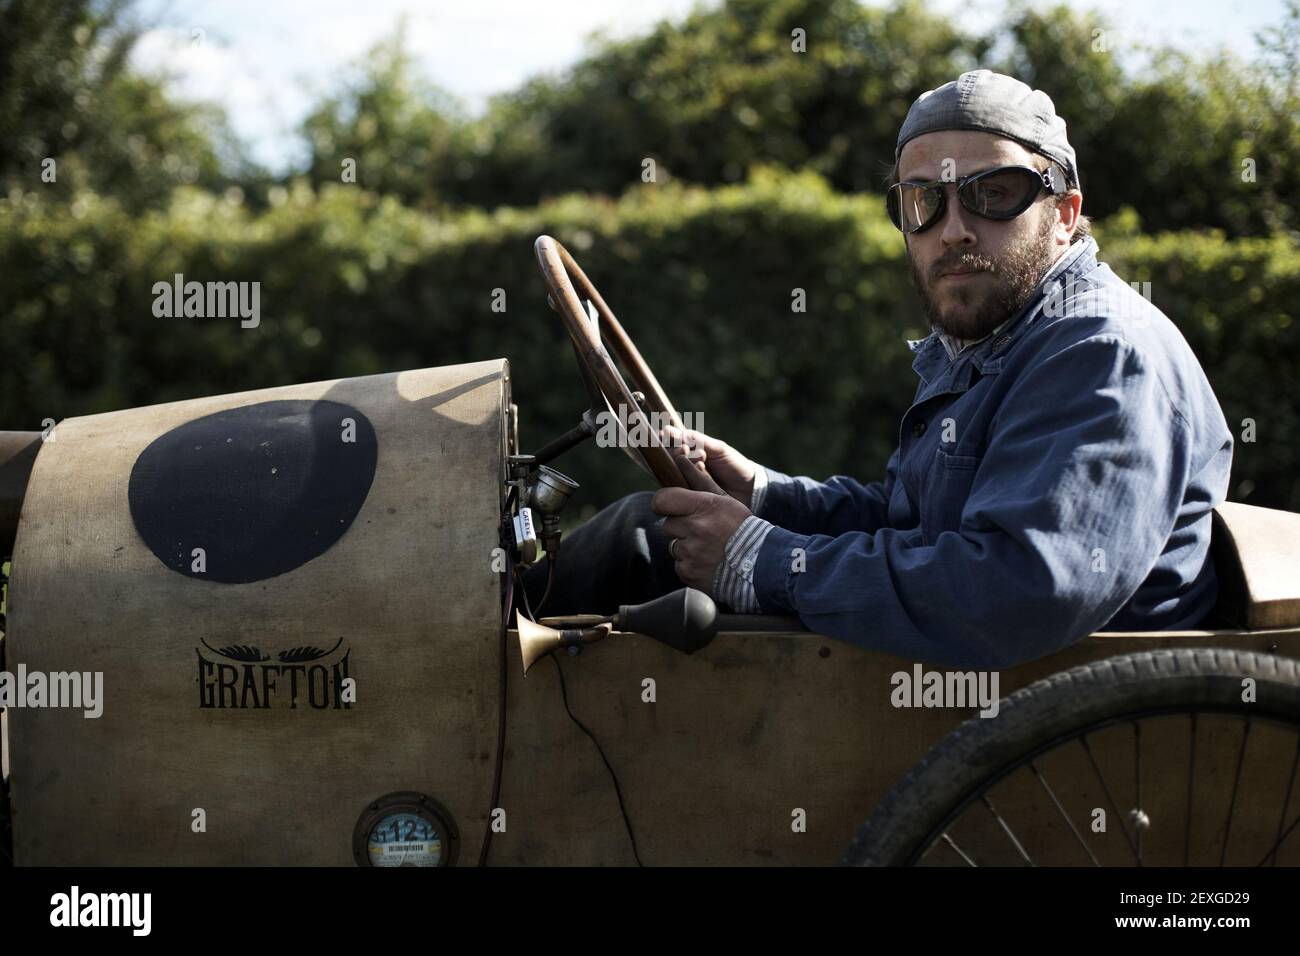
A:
x,y
1008,257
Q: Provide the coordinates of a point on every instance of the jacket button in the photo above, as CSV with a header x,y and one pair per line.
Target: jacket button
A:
x,y
918,427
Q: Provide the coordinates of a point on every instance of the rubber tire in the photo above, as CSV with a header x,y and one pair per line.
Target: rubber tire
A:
x,y
982,749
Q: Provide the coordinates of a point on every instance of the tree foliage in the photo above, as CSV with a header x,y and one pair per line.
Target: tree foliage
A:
x,y
67,94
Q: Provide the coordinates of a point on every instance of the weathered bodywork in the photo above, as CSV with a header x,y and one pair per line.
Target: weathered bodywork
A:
x,y
408,589
757,727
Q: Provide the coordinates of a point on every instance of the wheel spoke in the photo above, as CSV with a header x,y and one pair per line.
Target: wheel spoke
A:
x,y
1280,840
1064,816
956,849
1286,805
1236,782
1137,787
1083,740
1191,772
1006,829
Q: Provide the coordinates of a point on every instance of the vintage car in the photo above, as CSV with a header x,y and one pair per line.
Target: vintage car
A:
x,y
303,602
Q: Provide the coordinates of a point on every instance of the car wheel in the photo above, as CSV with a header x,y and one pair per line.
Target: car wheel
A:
x,y
1173,757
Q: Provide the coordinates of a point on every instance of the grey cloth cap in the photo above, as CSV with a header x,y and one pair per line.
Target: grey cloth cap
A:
x,y
995,103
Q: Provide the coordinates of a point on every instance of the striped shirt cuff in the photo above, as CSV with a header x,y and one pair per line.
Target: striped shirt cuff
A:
x,y
760,490
733,582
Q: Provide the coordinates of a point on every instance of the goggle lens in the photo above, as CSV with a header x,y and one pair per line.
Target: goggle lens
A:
x,y
1000,195
917,204
996,194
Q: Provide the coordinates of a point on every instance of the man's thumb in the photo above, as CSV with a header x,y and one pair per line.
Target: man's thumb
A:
x,y
697,479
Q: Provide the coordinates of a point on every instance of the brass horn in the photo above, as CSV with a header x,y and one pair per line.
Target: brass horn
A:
x,y
685,619
538,640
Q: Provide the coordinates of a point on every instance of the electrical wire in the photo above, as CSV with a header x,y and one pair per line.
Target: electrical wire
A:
x,y
523,593
618,791
564,696
550,582
507,606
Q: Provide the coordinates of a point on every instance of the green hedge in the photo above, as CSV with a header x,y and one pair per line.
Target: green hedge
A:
x,y
353,285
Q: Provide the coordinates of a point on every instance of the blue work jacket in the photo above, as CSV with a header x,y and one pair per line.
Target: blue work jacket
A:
x,y
1053,480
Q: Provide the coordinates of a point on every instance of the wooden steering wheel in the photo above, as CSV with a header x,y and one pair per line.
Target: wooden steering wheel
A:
x,y
604,381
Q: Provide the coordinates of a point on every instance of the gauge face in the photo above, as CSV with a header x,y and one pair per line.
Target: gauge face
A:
x,y
404,839
405,829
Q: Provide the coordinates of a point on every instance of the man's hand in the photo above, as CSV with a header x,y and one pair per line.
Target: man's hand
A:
x,y
701,520
732,471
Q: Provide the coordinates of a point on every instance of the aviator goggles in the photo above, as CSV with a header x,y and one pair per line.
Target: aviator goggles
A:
x,y
1003,192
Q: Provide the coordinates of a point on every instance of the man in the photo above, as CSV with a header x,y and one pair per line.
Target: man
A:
x,y
1054,475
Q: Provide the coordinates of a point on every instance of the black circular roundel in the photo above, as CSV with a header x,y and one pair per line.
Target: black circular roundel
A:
x,y
246,494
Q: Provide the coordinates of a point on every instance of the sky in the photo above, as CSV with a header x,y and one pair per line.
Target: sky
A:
x,y
268,61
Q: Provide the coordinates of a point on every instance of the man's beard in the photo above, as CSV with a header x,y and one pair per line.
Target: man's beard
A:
x,y
973,311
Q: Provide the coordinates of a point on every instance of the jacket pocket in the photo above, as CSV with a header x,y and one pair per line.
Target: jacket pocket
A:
x,y
947,487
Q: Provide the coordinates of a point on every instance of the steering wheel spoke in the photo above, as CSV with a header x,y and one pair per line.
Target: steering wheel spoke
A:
x,y
594,338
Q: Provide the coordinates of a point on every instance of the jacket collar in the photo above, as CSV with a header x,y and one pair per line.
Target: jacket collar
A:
x,y
932,358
